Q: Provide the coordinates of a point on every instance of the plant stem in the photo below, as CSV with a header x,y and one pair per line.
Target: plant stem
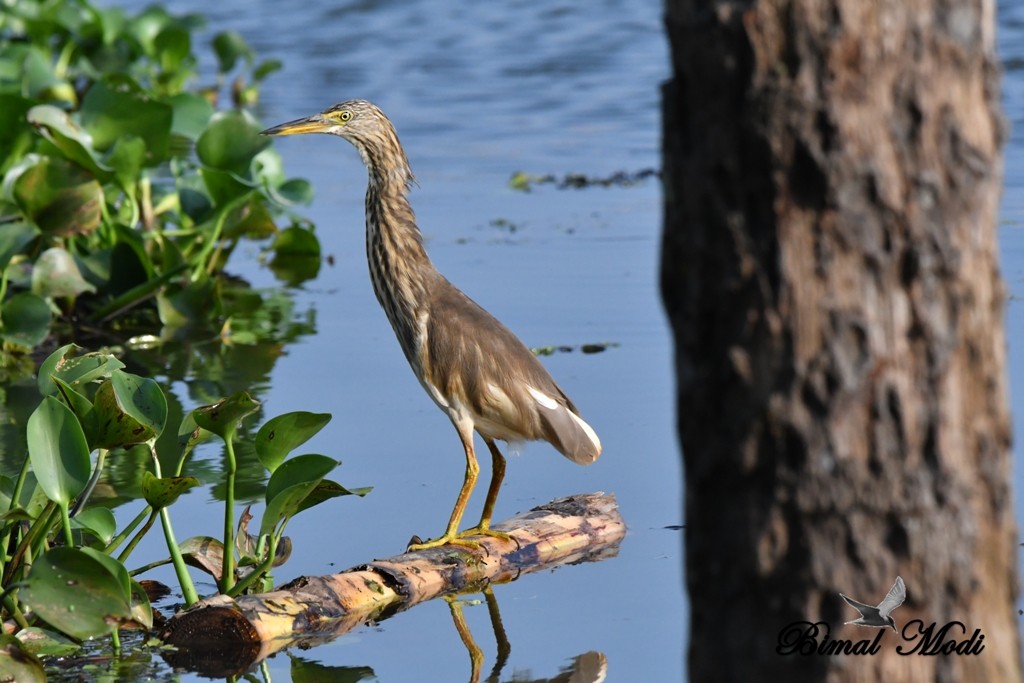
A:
x,y
203,261
146,567
257,572
5,540
188,589
83,498
129,528
116,637
65,519
123,557
137,294
41,525
227,575
12,609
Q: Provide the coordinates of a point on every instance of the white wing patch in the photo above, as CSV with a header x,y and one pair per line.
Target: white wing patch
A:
x,y
505,406
542,398
591,434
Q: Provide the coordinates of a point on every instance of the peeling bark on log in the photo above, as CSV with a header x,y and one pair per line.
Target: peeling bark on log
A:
x,y
832,171
235,633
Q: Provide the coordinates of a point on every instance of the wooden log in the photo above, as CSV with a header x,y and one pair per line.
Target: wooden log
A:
x,y
234,633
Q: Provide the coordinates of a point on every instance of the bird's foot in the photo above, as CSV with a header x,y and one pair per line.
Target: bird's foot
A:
x,y
463,539
447,539
481,530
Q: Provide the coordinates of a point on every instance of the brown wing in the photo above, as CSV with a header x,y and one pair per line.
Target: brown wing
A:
x,y
472,357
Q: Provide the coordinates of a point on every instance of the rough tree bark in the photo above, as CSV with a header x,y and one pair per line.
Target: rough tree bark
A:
x,y
832,171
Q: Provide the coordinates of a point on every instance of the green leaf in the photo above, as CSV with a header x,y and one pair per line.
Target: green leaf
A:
x,y
296,241
223,186
25,320
116,569
181,306
82,407
148,25
99,521
56,126
112,111
189,435
230,46
173,47
40,81
70,364
294,191
142,399
127,159
142,611
192,113
56,274
16,134
222,418
41,641
308,671
265,68
289,486
230,142
294,270
129,410
58,451
76,593
281,435
162,492
17,663
59,197
328,489
252,220
13,238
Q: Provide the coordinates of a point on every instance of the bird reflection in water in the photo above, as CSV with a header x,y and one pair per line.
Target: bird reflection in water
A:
x,y
589,667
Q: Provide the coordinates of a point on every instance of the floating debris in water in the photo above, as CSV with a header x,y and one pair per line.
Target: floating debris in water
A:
x,y
524,182
583,348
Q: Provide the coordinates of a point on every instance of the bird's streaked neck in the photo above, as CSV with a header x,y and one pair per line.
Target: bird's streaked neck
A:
x,y
400,269
386,163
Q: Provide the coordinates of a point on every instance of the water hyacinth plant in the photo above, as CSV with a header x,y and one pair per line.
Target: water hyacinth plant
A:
x,y
65,570
125,186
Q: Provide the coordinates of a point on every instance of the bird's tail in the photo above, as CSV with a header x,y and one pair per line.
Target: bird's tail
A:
x,y
567,432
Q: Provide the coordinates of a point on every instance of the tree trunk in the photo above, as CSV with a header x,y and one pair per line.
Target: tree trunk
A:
x,y
832,171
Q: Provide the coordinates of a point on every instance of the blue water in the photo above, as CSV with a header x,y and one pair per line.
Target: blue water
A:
x,y
1011,232
478,91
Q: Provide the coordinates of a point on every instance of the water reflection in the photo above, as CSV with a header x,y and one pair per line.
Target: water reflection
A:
x,y
589,667
239,651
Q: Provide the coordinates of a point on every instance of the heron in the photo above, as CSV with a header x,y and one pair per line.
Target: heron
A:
x,y
476,370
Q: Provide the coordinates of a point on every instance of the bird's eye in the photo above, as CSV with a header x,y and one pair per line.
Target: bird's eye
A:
x,y
345,116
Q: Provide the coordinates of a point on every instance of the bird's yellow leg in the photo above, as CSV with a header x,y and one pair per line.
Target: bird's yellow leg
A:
x,y
497,475
476,655
451,534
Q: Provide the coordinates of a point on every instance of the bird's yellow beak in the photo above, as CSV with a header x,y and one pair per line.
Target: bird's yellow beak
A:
x,y
311,124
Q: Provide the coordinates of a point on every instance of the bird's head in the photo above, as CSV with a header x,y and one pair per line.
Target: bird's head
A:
x,y
353,120
892,624
364,125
